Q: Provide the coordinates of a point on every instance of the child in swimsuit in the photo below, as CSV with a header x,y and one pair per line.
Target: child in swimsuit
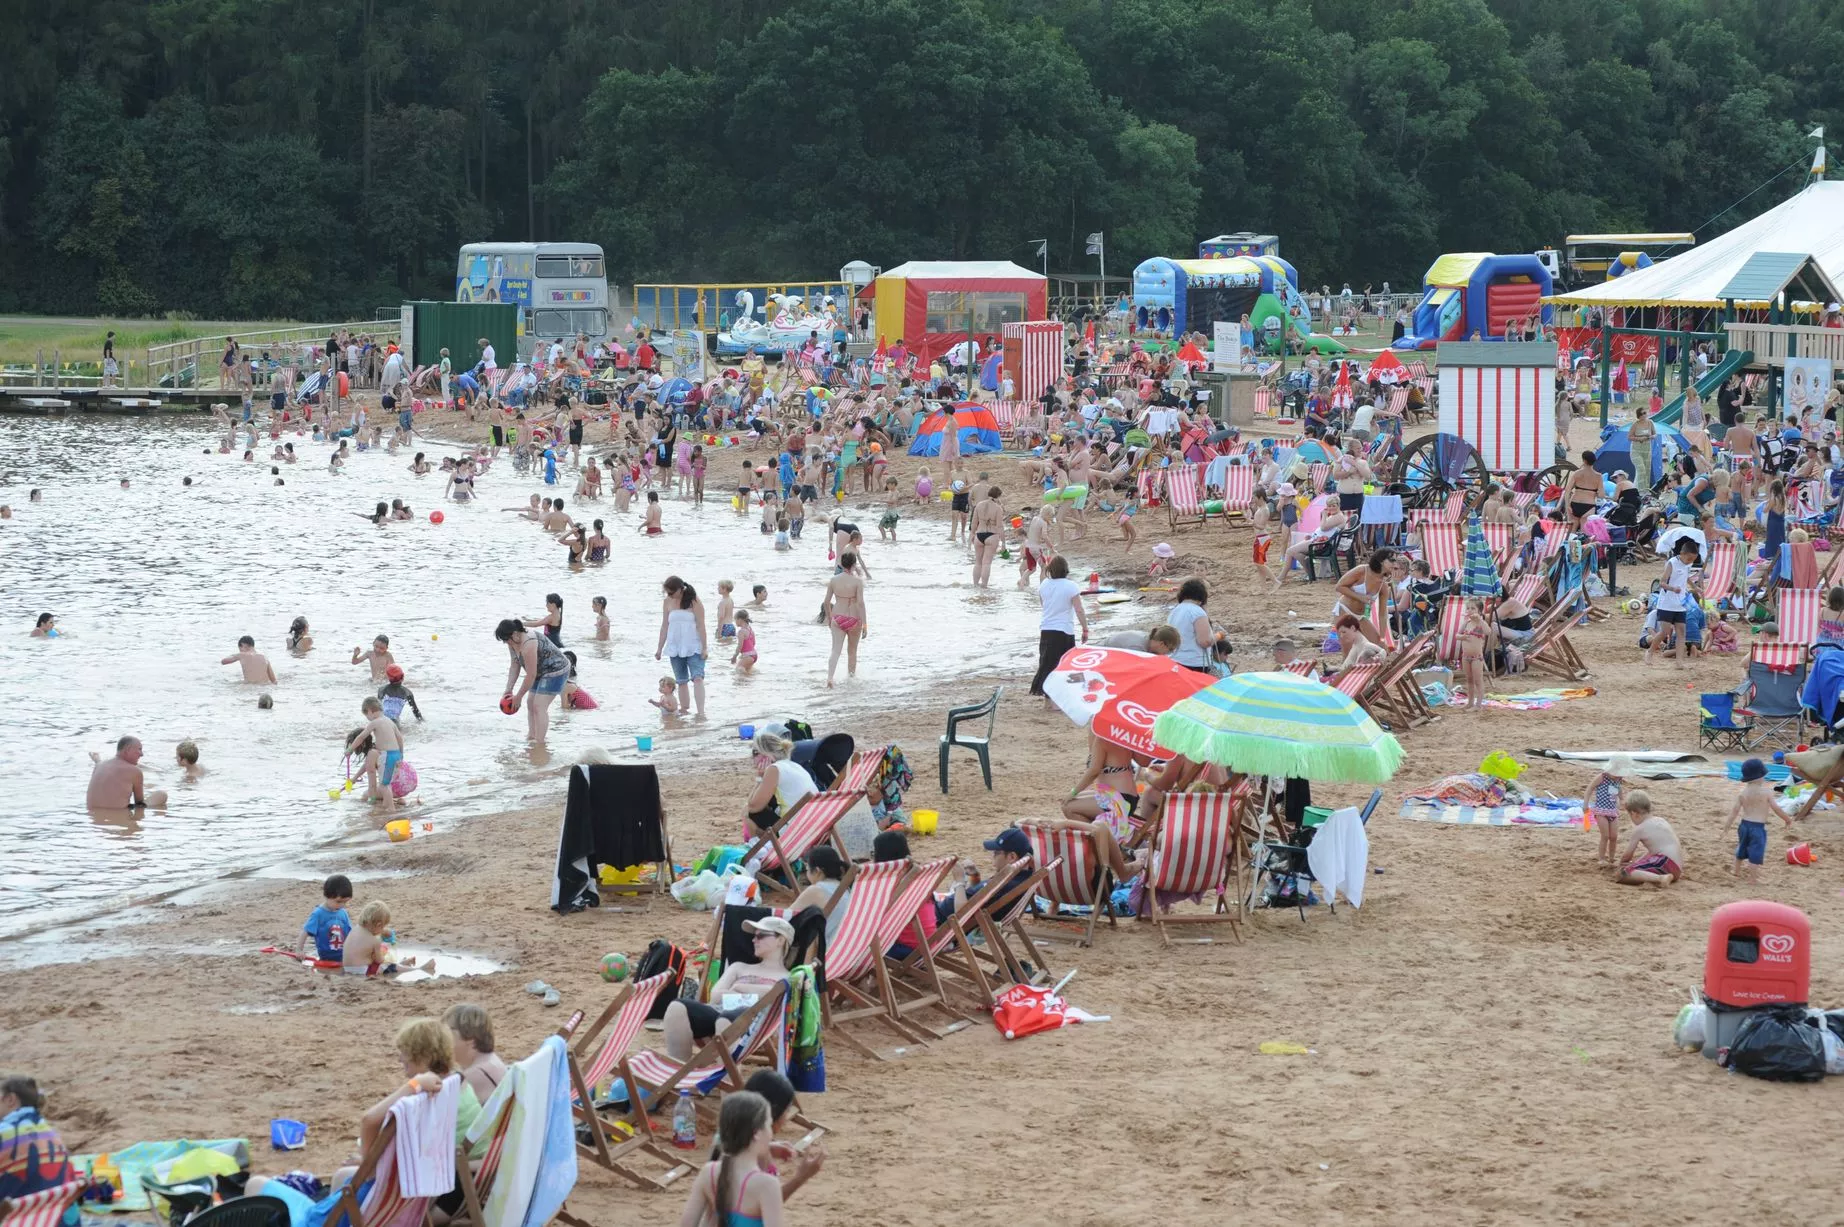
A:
x,y
1472,656
886,525
1604,796
600,605
726,609
1127,512
925,487
744,657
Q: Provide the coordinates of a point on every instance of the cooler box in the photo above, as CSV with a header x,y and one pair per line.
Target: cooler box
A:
x,y
1759,954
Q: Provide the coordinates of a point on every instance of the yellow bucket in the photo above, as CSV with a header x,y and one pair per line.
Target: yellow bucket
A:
x,y
608,875
922,821
398,830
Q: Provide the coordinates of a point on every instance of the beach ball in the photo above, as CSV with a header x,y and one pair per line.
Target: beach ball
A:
x,y
508,704
1800,854
436,517
614,967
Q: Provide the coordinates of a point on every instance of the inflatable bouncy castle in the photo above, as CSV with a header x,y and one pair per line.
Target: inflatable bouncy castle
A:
x,y
1475,294
1178,296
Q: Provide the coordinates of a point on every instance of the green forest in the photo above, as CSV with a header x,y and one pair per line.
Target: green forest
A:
x,y
279,158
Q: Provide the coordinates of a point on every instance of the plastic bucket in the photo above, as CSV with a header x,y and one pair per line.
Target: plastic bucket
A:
x,y
745,732
399,830
643,743
923,821
287,1134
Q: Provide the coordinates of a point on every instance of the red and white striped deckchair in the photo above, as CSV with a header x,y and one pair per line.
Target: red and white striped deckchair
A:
x,y
1079,878
1317,475
1418,369
1456,506
1502,539
798,832
1184,495
1266,403
1238,489
44,1208
1780,657
1148,486
1355,681
758,1031
384,1204
1453,616
1719,573
1440,548
1551,543
1531,589
854,953
1523,498
856,778
900,924
1798,615
616,1029
1398,401
477,1185
1304,668
1194,852
1379,621
951,949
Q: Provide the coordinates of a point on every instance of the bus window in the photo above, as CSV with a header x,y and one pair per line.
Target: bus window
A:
x,y
570,266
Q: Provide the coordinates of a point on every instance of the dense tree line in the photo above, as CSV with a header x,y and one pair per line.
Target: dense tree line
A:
x,y
285,158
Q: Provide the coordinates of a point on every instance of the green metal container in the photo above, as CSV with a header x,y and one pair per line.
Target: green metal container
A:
x,y
458,327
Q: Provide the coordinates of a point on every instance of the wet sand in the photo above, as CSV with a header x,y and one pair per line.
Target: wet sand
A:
x,y
1491,1031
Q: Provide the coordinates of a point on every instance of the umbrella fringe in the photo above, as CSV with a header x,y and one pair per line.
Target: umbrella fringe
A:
x,y
1257,755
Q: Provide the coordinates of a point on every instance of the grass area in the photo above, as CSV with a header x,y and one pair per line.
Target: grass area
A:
x,y
80,340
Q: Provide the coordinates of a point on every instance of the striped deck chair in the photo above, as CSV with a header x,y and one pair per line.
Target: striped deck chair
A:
x,y
384,1204
1317,475
1719,572
808,824
1395,695
1418,369
1080,878
853,955
949,948
994,926
1453,615
1550,544
1238,490
1532,589
1798,566
1148,486
1798,615
1780,657
1266,403
856,777
1304,668
1356,681
616,1030
44,1208
1184,495
1398,401
1549,650
1195,851
477,1182
1523,498
907,996
1440,548
1456,506
1502,538
758,1032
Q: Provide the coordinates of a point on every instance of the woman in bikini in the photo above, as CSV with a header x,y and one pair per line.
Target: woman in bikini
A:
x,y
1112,777
1583,491
461,481
1359,585
987,524
845,613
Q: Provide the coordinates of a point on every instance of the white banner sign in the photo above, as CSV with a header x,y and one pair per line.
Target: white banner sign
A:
x,y
1808,382
1226,348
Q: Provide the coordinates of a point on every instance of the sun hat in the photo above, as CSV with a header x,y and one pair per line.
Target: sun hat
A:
x,y
1163,550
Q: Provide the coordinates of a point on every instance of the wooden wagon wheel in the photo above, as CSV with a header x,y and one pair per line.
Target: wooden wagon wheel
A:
x,y
1434,466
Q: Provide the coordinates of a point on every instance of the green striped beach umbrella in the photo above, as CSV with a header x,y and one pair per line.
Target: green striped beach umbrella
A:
x,y
1479,571
1280,724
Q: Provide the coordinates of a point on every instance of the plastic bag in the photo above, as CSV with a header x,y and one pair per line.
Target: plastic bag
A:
x,y
1780,1046
1834,1052
1501,765
699,893
1691,1026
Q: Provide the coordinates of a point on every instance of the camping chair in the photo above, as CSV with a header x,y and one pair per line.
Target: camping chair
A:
x,y
1080,878
950,949
1720,727
1773,707
46,1208
257,1211
1195,851
1184,495
616,1028
853,955
981,746
805,826
1284,861
1549,649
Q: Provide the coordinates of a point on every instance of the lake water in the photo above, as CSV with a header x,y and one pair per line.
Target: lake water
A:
x,y
153,585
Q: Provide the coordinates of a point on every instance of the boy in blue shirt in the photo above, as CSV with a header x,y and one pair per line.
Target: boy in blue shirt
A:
x,y
329,924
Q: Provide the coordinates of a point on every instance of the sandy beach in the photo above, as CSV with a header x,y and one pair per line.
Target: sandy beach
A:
x,y
1490,1034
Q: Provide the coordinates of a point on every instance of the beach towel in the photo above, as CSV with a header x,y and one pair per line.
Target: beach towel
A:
x,y
1558,812
557,1163
527,1087
138,1161
1339,855
1530,700
1465,788
425,1141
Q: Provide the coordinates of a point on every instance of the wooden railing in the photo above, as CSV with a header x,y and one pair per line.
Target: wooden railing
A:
x,y
1774,343
194,363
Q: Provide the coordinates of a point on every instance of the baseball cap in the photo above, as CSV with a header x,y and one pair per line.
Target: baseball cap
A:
x,y
1012,840
394,673
770,924
1754,769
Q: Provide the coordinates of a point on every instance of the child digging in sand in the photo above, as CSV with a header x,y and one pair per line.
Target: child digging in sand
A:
x,y
1604,792
1663,862
1752,809
367,949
